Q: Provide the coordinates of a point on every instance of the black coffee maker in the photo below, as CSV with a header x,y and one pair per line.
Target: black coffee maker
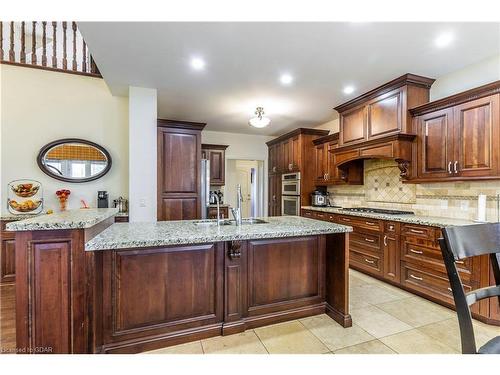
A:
x,y
102,199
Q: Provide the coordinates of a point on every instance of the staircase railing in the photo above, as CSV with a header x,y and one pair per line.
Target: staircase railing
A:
x,y
56,46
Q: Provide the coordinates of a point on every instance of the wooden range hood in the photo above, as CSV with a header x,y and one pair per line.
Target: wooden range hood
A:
x,y
396,147
378,125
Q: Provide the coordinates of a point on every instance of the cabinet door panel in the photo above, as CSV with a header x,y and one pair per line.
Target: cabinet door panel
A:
x,y
476,125
283,270
385,114
295,156
435,144
179,209
353,126
217,166
178,174
319,163
7,260
392,254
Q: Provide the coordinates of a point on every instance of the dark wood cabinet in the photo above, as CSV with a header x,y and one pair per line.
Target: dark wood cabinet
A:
x,y
179,163
325,168
216,154
409,256
7,254
459,137
223,211
382,111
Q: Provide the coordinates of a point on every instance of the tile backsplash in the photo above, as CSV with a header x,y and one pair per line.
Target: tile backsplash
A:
x,y
383,189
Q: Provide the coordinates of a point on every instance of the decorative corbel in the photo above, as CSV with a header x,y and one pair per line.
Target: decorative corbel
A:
x,y
404,166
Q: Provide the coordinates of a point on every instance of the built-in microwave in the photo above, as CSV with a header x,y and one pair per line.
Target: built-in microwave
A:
x,y
290,184
290,205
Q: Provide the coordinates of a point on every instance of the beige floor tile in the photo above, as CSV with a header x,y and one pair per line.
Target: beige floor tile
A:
x,y
415,342
448,333
356,281
242,343
333,335
397,291
361,276
370,347
374,294
188,348
416,311
377,322
290,338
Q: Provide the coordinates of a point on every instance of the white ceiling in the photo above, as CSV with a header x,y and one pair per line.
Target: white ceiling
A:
x,y
245,60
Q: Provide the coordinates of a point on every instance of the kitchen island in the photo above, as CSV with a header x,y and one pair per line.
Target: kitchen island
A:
x,y
132,287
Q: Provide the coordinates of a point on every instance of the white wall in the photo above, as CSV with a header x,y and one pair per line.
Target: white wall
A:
x,y
142,154
242,147
471,76
39,107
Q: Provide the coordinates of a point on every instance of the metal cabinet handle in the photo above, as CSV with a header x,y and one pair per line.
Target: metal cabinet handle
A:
x,y
274,169
455,166
459,262
369,261
416,277
416,251
370,223
449,167
324,176
385,240
417,231
290,166
234,250
369,240
449,290
328,176
346,219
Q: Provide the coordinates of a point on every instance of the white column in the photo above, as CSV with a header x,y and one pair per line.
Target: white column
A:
x,y
142,154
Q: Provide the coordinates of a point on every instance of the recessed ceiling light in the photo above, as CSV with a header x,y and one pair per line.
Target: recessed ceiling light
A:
x,y
197,63
286,79
348,90
443,40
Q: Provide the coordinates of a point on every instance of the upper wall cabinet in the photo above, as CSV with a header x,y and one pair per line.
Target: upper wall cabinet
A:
x,y
383,111
459,136
216,154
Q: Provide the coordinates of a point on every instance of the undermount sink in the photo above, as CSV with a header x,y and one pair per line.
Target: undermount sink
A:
x,y
248,221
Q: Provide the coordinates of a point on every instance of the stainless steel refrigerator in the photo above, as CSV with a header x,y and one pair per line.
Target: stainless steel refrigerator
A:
x,y
205,187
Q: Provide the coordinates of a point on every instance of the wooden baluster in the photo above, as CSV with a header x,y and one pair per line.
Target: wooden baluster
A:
x,y
65,55
44,43
23,43
1,40
84,57
54,45
75,65
33,44
12,55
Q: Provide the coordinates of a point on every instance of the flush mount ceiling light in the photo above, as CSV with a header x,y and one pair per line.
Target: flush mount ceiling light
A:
x,y
286,79
348,90
197,63
259,121
443,40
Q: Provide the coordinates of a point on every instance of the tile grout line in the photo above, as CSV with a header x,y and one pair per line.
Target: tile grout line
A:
x,y
264,345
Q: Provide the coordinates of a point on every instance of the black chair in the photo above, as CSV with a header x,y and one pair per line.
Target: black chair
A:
x,y
463,242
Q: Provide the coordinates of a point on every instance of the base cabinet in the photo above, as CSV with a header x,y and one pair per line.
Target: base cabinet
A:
x,y
409,256
7,255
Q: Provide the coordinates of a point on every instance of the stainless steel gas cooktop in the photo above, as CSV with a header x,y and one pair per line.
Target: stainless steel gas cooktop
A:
x,y
378,211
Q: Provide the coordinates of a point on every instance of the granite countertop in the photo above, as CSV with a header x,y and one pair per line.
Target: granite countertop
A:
x,y
164,233
434,221
71,219
14,217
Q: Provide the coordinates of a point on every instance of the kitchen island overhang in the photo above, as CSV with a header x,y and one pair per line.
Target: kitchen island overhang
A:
x,y
151,285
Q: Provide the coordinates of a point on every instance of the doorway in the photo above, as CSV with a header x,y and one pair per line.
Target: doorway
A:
x,y
250,175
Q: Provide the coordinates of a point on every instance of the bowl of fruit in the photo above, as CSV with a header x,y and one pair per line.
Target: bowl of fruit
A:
x,y
25,190
25,206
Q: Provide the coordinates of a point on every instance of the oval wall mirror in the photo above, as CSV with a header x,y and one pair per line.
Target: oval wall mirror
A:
x,y
74,160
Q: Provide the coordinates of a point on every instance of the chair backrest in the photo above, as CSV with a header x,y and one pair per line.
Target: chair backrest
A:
x,y
463,242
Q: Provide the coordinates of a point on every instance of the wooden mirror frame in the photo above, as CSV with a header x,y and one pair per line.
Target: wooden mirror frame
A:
x,y
50,145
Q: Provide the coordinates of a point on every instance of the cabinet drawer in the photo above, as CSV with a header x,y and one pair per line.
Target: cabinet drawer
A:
x,y
321,215
309,214
361,222
368,262
431,257
365,240
419,231
428,281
